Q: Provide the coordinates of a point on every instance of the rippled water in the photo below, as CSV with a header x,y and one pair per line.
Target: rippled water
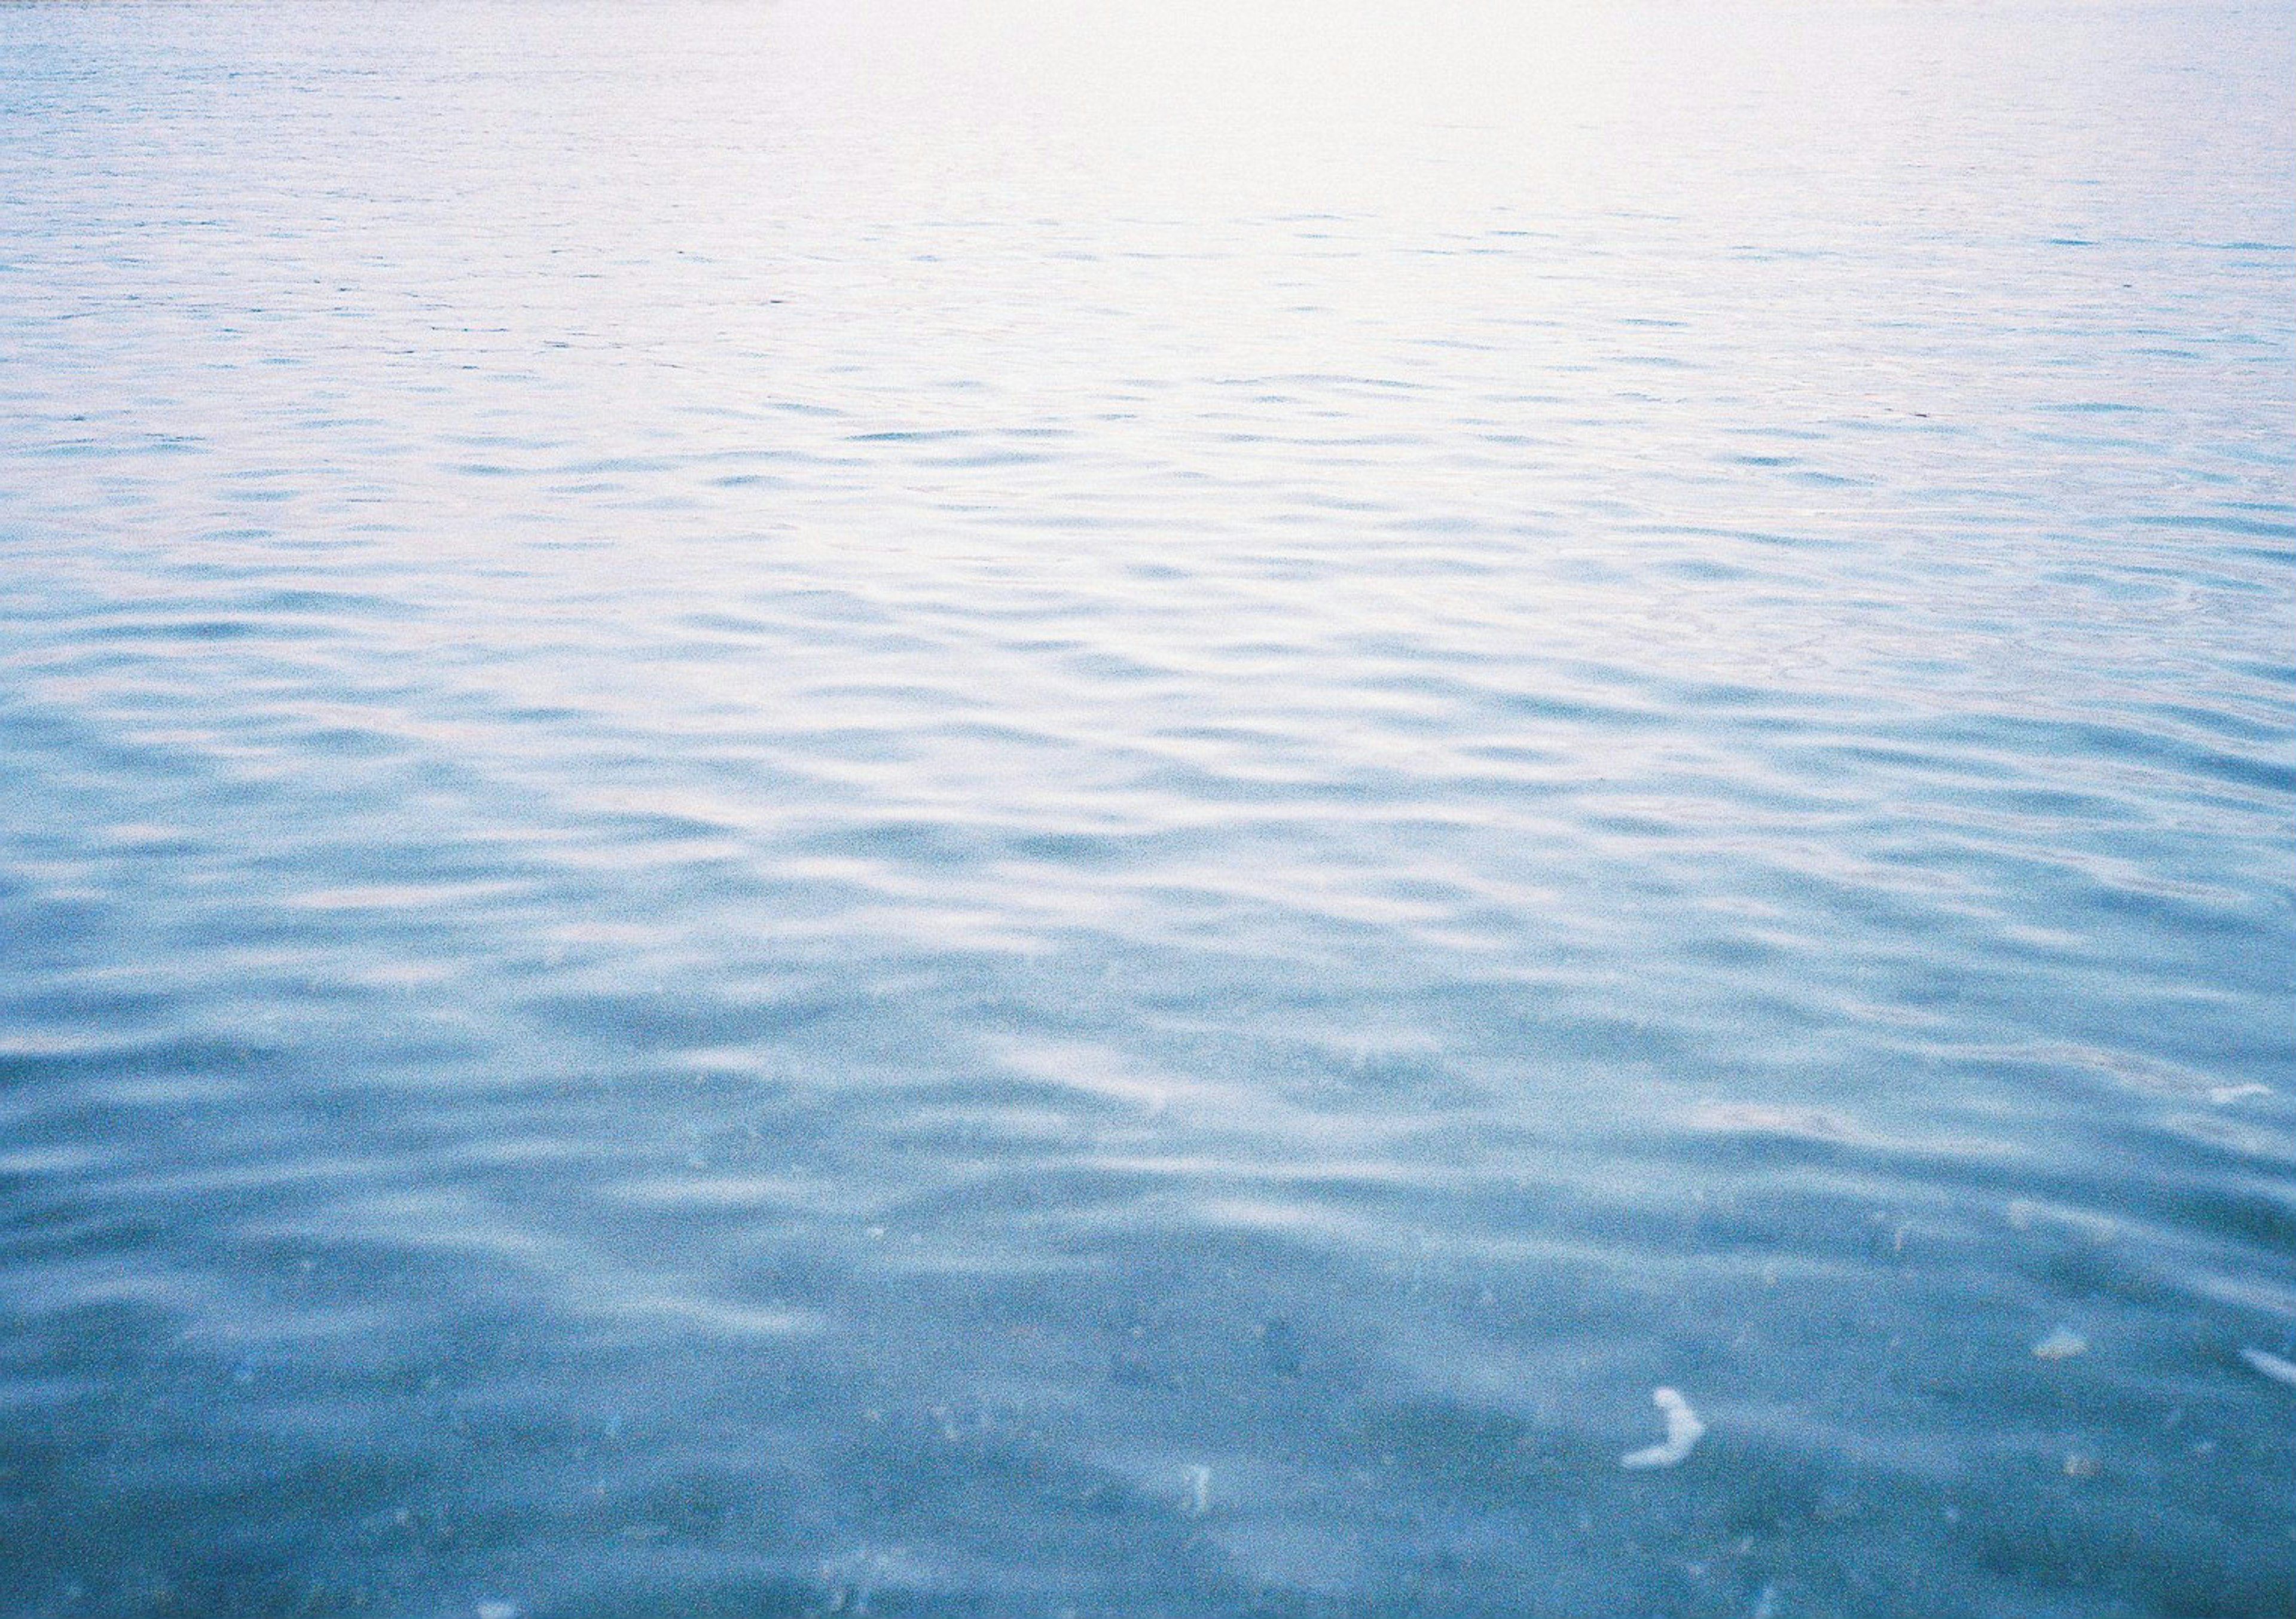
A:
x,y
1009,809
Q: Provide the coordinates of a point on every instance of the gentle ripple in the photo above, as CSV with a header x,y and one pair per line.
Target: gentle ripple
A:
x,y
990,808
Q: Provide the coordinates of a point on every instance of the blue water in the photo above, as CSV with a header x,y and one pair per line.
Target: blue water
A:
x,y
996,808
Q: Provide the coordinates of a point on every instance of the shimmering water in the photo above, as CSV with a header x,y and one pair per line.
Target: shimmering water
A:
x,y
1015,809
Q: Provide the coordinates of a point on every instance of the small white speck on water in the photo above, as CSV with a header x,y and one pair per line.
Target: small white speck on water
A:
x,y
1683,1430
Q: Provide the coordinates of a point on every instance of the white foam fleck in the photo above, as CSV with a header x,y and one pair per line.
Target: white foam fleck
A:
x,y
1683,1430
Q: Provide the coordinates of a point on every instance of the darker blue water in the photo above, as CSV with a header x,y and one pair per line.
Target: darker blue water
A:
x,y
929,810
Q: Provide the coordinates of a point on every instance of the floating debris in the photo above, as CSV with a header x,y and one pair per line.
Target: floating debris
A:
x,y
498,1610
1683,1430
2062,1345
2081,1464
1197,1499
2271,1365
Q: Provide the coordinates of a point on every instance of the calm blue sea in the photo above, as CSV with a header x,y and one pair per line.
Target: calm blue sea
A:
x,y
1096,811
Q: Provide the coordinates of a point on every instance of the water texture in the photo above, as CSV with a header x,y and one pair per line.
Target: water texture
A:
x,y
1004,808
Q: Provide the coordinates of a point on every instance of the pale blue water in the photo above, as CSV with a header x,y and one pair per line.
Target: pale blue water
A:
x,y
1008,809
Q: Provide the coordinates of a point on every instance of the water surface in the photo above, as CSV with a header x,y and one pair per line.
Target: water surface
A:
x,y
1005,809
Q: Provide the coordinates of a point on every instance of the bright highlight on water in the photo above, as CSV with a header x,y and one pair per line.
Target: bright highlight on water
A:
x,y
985,808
